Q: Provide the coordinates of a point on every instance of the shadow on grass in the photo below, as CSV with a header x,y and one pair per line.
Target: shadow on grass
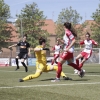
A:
x,y
54,78
47,79
81,80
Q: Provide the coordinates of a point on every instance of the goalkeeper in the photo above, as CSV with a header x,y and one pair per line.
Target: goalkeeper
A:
x,y
40,53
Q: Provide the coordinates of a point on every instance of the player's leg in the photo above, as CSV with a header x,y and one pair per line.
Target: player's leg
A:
x,y
55,68
77,62
54,59
24,56
40,67
31,76
23,63
69,58
86,56
17,63
77,59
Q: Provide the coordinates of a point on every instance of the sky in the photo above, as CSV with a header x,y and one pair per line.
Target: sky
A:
x,y
52,8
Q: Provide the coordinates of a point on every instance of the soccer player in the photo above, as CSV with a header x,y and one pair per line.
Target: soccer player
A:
x,y
40,53
56,50
87,52
24,51
67,55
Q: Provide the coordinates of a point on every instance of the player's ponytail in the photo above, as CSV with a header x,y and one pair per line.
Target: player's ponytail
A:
x,y
69,27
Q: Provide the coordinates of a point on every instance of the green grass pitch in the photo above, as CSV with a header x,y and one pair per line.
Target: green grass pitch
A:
x,y
86,88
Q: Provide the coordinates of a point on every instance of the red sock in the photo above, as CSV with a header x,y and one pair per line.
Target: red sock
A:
x,y
59,69
81,65
77,62
52,62
75,66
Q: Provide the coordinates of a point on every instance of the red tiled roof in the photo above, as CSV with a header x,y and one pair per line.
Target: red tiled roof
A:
x,y
50,26
14,34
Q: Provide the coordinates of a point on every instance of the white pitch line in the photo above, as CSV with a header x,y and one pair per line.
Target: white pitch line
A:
x,y
51,85
10,71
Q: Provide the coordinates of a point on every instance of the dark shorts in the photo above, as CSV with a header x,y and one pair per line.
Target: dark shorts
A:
x,y
23,55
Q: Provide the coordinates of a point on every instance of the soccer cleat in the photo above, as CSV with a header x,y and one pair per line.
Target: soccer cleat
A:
x,y
56,80
21,80
67,78
26,69
75,71
16,69
81,73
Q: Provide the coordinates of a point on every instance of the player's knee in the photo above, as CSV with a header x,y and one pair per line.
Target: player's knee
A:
x,y
22,63
22,60
39,71
17,57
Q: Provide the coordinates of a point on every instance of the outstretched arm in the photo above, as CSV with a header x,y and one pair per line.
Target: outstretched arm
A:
x,y
39,49
12,46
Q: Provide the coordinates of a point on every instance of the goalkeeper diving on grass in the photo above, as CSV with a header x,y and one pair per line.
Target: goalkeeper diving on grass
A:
x,y
41,63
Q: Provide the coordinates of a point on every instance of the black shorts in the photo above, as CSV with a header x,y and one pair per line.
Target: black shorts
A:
x,y
23,55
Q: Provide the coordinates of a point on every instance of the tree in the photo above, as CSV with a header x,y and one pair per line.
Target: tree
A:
x,y
96,26
66,15
30,22
5,29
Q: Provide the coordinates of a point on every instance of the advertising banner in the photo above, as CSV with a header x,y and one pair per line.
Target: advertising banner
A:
x,y
4,61
13,62
31,61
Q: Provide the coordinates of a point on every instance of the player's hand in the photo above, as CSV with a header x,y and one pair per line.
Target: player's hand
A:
x,y
58,39
66,50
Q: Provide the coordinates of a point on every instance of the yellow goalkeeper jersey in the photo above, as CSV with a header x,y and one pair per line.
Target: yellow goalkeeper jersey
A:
x,y
40,55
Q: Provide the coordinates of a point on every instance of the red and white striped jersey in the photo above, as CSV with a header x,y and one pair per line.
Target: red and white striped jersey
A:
x,y
88,45
68,37
57,48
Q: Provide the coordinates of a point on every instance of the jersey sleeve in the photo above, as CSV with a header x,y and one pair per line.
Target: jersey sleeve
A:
x,y
94,42
70,35
82,42
53,48
18,43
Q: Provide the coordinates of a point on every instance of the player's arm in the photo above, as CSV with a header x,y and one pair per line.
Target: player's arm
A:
x,y
12,45
29,49
39,49
94,43
61,41
81,42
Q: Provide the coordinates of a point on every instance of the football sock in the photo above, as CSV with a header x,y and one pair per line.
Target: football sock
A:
x,y
81,65
52,62
24,66
56,69
77,62
17,63
59,70
75,66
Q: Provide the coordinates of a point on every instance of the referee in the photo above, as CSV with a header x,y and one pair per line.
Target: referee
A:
x,y
24,51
